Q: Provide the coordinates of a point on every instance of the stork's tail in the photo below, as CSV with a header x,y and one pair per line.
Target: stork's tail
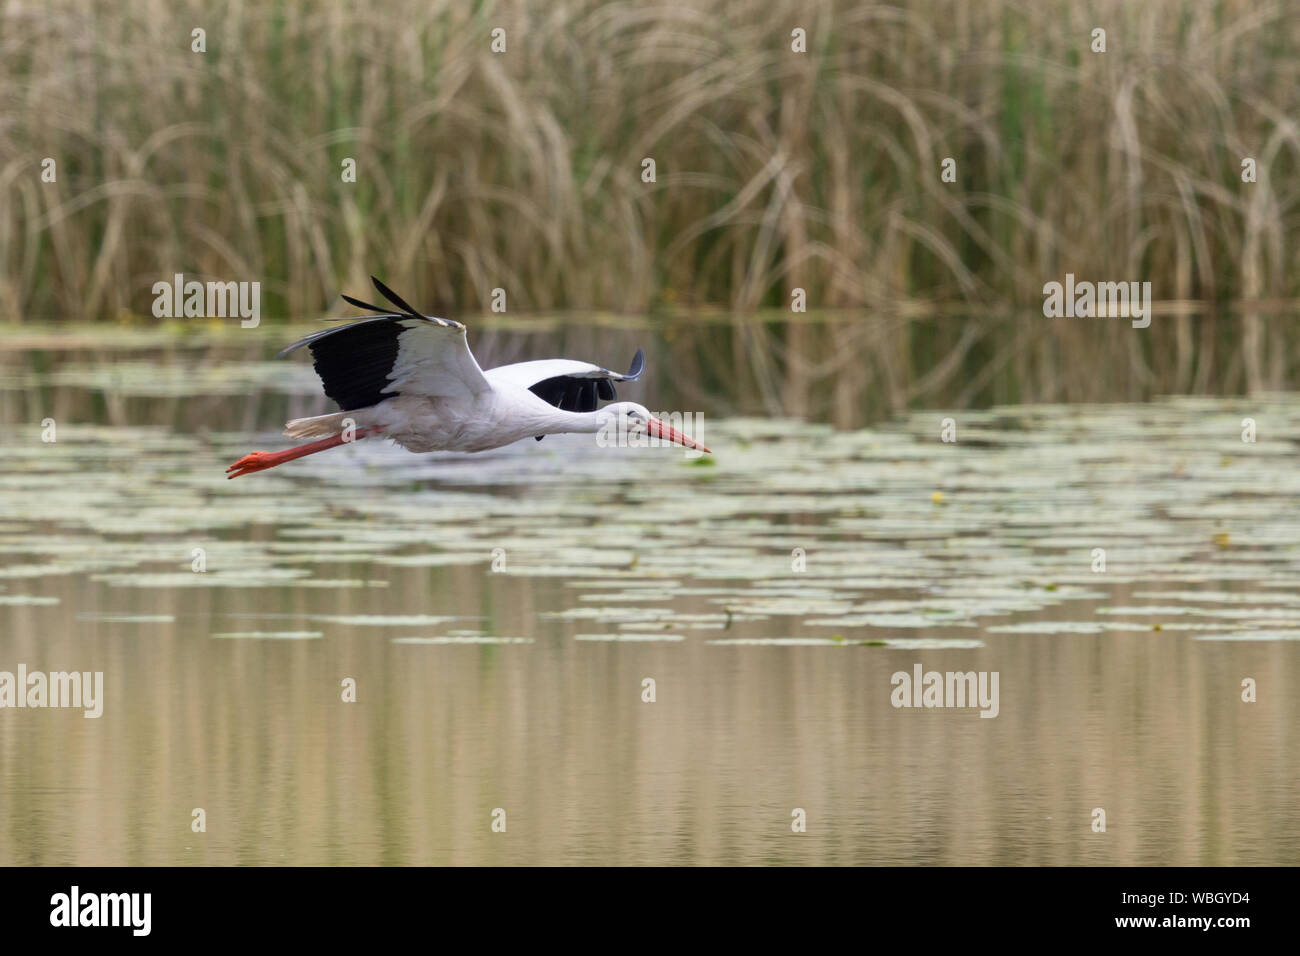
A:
x,y
316,427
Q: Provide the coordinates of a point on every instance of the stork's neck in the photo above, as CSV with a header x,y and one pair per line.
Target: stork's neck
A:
x,y
559,422
528,415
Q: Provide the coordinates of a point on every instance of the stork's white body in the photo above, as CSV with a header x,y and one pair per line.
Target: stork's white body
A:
x,y
423,423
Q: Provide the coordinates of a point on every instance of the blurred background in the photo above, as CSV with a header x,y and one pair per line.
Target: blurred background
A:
x,y
774,170
519,687
522,169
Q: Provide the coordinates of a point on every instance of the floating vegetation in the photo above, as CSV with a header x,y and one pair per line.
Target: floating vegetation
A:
x,y
1059,627
608,614
265,578
1222,597
128,618
434,559
803,532
782,642
892,620
382,620
1252,636
930,644
629,638
902,644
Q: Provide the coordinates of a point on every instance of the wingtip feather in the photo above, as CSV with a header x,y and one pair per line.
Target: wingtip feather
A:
x,y
637,367
363,305
394,298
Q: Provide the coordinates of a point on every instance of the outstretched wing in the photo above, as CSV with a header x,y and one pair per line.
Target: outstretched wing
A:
x,y
567,384
362,363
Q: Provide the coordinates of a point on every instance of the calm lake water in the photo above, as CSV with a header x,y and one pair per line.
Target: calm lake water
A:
x,y
499,614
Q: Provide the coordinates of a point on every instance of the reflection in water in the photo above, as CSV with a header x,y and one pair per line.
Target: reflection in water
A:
x,y
848,369
480,689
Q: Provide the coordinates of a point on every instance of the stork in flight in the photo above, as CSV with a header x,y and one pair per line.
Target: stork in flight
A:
x,y
413,379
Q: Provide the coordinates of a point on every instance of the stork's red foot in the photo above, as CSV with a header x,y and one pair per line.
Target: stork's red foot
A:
x,y
253,461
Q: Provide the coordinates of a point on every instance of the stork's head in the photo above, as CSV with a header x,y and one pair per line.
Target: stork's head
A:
x,y
628,420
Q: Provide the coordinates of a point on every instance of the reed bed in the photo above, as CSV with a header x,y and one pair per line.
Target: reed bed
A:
x,y
522,170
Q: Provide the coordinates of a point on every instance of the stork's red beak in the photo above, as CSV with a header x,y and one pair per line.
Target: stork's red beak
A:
x,y
657,429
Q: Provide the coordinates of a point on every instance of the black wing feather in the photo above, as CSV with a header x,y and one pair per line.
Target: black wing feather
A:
x,y
580,393
354,361
364,305
394,298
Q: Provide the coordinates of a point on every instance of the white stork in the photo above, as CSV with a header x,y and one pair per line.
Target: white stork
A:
x,y
413,379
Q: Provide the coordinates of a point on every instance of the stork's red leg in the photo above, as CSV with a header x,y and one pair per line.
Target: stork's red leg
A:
x,y
261,460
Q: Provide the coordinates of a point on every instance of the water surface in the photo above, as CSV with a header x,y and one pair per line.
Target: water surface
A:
x,y
500,612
